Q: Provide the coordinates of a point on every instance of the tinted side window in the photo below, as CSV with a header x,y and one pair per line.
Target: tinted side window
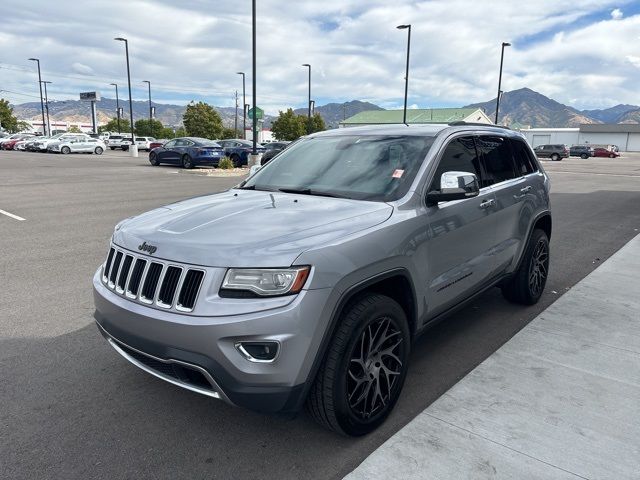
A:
x,y
524,163
496,156
459,156
170,144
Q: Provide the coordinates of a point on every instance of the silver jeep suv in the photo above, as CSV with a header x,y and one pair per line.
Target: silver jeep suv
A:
x,y
308,282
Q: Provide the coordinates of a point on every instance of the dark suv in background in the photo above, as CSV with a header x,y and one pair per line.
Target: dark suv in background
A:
x,y
582,151
554,152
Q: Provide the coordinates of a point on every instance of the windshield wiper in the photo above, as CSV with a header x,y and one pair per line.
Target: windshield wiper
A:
x,y
308,191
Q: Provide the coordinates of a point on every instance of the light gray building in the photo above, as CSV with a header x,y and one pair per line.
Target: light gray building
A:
x,y
626,136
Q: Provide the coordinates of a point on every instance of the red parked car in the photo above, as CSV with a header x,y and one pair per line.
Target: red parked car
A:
x,y
603,152
10,144
156,144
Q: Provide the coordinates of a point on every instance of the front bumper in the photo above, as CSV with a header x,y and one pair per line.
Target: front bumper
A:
x,y
207,345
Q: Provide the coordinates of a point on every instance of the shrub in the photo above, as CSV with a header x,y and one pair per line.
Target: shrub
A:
x,y
226,164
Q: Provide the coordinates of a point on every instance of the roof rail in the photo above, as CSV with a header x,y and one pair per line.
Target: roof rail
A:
x,y
458,123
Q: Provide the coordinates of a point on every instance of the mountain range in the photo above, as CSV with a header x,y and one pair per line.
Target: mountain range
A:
x,y
518,108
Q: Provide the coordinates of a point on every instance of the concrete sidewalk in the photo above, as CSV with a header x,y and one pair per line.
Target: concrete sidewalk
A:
x,y
561,399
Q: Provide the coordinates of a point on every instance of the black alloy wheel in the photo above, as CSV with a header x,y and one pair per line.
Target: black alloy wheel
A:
x,y
153,159
375,368
364,368
539,267
187,162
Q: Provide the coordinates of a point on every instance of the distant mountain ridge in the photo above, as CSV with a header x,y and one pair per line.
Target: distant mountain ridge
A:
x,y
523,107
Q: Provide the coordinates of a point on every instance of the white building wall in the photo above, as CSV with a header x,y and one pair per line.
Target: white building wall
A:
x,y
626,142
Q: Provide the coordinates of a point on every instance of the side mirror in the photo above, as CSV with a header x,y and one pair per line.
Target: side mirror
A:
x,y
454,186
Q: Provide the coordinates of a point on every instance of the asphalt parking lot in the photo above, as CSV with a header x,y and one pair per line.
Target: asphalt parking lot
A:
x,y
72,408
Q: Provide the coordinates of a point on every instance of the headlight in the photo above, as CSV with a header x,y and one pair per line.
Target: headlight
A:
x,y
263,282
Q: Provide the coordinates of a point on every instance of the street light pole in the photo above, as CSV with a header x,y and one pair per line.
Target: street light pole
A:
x,y
150,110
46,104
254,151
309,100
44,128
134,149
117,105
406,75
504,44
244,112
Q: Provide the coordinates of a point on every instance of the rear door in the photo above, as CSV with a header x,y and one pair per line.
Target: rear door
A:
x,y
461,232
511,189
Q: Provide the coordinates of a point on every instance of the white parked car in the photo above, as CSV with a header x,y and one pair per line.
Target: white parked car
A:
x,y
114,141
43,143
144,143
78,144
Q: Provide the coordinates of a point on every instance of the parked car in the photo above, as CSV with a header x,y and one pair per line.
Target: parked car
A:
x,y
157,143
144,143
42,143
582,151
554,152
77,144
603,152
30,146
20,145
309,281
271,150
10,142
188,152
115,141
238,150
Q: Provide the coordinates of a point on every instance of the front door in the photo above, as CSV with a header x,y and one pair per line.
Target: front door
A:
x,y
461,233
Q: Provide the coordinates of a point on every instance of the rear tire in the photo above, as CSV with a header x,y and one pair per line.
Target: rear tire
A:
x,y
187,162
528,282
236,160
112,148
611,155
555,157
364,368
584,156
153,159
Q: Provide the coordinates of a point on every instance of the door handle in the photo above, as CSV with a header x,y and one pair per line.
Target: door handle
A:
x,y
524,192
488,203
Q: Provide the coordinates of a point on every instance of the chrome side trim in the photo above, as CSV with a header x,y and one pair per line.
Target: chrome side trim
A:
x,y
215,393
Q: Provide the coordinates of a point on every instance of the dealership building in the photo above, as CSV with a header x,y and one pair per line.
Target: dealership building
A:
x,y
626,136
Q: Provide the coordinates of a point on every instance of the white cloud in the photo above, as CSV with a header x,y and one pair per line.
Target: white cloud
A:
x,y
81,68
616,14
193,51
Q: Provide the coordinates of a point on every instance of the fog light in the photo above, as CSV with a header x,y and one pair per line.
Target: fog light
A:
x,y
259,352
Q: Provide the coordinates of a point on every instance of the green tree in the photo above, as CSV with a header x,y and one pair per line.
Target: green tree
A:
x,y
288,126
8,120
112,126
142,128
73,129
317,123
229,133
201,120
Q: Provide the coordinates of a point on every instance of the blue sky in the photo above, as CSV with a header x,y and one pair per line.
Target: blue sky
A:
x,y
584,53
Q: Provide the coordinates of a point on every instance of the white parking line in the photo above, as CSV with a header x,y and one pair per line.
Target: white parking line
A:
x,y
12,215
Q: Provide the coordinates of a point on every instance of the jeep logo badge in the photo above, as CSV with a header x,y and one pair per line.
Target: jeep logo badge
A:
x,y
145,247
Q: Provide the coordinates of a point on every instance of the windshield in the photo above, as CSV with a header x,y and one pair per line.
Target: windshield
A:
x,y
378,168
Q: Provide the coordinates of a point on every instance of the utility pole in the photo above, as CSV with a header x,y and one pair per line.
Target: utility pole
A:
x,y
46,104
406,75
254,150
235,125
44,128
117,105
504,44
309,100
244,111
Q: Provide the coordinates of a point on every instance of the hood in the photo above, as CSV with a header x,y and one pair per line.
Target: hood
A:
x,y
244,228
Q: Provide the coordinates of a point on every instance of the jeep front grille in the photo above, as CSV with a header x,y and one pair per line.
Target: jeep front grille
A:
x,y
152,282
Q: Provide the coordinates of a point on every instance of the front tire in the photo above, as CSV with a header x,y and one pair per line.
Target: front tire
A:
x,y
187,162
584,156
236,160
611,155
527,284
153,159
361,377
555,157
65,150
99,150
